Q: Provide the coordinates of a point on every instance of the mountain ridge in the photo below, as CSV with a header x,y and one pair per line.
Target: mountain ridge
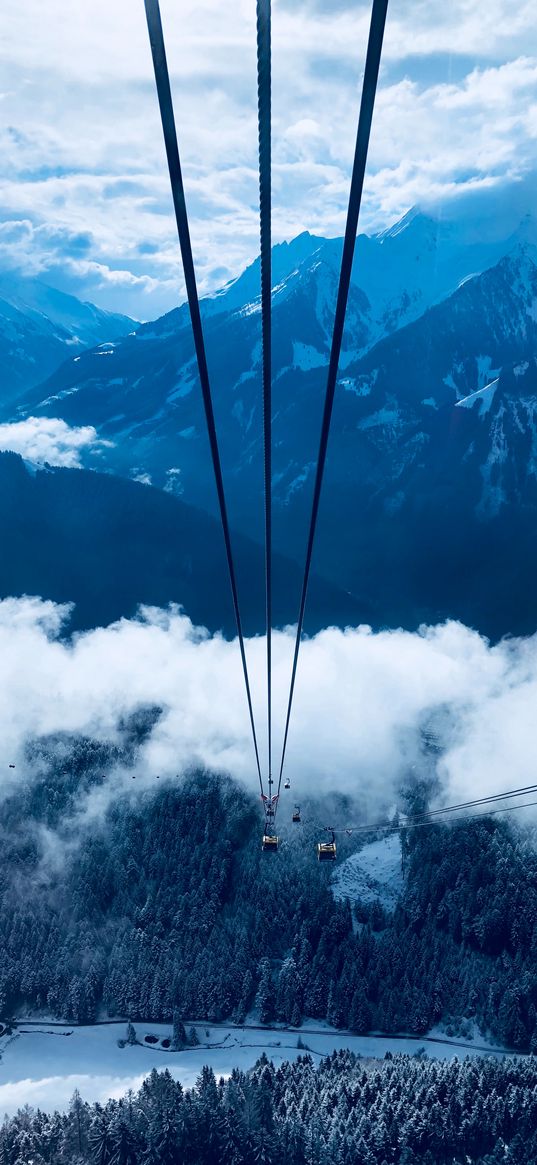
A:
x,y
40,326
416,423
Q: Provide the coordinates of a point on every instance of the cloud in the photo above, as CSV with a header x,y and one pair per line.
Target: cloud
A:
x,y
362,702
83,158
48,440
52,1093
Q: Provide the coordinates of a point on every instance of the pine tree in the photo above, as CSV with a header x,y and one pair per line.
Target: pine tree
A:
x,y
264,998
179,1038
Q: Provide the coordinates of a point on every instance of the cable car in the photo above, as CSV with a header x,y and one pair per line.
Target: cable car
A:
x,y
326,850
296,813
287,784
12,766
270,843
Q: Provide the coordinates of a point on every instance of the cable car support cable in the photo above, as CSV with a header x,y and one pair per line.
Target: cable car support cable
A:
x,y
162,81
369,88
475,816
424,818
264,133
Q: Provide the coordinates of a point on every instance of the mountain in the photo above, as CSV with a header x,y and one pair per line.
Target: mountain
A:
x,y
435,476
426,484
41,326
107,545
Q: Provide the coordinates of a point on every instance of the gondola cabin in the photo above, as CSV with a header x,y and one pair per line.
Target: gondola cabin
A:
x,y
287,784
326,851
270,843
296,816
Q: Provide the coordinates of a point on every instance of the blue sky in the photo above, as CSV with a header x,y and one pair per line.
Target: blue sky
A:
x,y
84,196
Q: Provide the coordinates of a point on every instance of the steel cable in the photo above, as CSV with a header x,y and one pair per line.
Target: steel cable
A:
x,y
162,80
369,89
265,232
415,819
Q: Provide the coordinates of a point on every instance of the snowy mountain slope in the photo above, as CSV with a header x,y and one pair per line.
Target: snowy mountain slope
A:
x,y
40,327
433,431
140,391
374,873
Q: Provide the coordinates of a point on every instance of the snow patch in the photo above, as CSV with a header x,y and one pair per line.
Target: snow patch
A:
x,y
450,383
483,397
374,872
299,481
250,309
386,416
486,374
60,395
306,357
182,388
360,387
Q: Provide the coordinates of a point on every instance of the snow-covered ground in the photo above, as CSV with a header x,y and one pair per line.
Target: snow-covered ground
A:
x,y
374,872
42,1066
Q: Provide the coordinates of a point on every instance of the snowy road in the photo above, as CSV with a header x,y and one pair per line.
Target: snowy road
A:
x,y
42,1064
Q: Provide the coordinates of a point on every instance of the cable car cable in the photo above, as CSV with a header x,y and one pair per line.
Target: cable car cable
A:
x,y
264,135
162,81
476,816
419,818
367,104
524,791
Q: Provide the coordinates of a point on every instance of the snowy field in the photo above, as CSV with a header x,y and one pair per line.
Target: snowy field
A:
x,y
42,1066
374,872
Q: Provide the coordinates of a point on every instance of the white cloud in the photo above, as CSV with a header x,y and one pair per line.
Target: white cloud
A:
x,y
49,440
361,701
82,146
50,1093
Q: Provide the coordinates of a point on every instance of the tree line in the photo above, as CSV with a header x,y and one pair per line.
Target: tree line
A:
x,y
400,1111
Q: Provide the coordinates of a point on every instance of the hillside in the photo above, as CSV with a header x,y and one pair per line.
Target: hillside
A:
x,y
40,327
430,480
108,923
107,545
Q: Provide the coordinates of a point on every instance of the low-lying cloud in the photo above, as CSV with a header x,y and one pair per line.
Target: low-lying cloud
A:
x,y
49,441
362,701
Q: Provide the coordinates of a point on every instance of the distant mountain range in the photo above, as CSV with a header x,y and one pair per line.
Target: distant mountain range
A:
x,y
430,503
40,327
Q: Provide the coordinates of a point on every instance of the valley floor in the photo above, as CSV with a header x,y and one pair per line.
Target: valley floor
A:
x,y
42,1064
